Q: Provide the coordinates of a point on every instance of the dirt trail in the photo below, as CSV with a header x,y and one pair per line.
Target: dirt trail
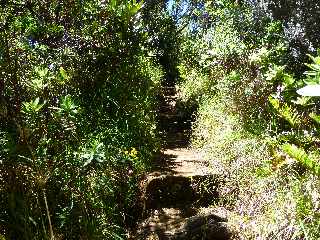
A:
x,y
178,193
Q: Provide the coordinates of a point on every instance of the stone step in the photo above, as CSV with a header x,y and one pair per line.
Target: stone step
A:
x,y
183,224
167,191
208,227
174,121
168,91
181,183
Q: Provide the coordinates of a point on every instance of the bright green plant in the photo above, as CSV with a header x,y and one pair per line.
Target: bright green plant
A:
x,y
286,112
300,155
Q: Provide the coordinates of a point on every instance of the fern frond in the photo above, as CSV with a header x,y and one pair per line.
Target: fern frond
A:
x,y
274,102
290,114
285,111
314,72
301,156
315,117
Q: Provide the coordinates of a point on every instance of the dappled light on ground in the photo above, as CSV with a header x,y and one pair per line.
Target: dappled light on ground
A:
x,y
179,185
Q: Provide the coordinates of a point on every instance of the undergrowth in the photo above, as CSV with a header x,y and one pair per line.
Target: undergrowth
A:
x,y
77,117
252,125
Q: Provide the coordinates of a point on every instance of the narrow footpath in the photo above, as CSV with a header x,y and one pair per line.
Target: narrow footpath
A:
x,y
178,194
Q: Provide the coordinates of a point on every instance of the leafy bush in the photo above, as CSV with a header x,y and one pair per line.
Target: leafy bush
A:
x,y
78,101
251,123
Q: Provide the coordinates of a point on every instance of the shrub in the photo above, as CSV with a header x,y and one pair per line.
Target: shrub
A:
x,y
252,125
78,101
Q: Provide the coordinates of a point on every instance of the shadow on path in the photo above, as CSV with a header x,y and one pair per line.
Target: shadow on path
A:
x,y
180,184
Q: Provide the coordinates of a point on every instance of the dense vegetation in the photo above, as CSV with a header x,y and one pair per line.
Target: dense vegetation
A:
x,y
78,110
78,90
243,72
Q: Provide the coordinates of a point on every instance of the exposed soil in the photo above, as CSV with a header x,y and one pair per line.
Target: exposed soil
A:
x,y
178,194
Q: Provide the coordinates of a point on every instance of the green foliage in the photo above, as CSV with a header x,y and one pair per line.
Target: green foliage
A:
x,y
315,117
196,83
313,75
301,156
32,108
79,90
164,38
285,111
251,123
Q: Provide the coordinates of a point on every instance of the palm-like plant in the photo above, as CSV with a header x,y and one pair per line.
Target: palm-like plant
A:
x,y
313,81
